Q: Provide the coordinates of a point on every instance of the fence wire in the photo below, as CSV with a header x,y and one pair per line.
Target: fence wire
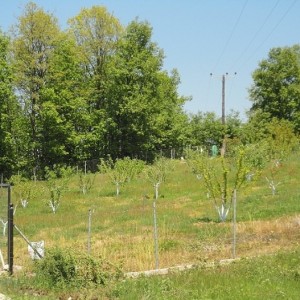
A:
x,y
211,240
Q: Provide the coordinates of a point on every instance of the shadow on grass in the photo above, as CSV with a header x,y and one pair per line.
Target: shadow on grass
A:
x,y
205,220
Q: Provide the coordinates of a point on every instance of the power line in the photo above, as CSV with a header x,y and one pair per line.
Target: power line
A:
x,y
256,34
231,34
274,28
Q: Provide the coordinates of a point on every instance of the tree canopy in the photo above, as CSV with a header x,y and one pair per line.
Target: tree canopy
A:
x,y
9,143
276,85
95,89
142,103
99,89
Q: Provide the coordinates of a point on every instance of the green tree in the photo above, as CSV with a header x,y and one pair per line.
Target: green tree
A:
x,y
24,190
233,125
223,175
96,32
281,139
255,130
86,181
170,125
33,44
206,129
121,171
276,136
10,136
65,119
157,173
276,85
143,106
57,180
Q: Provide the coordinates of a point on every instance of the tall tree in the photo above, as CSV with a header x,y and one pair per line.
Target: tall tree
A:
x,y
143,105
276,85
65,115
8,110
13,137
96,32
34,40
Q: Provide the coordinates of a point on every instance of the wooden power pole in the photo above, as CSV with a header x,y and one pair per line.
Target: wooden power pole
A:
x,y
223,149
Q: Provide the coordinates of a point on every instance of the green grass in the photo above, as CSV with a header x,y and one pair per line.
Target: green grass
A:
x,y
270,277
188,229
266,277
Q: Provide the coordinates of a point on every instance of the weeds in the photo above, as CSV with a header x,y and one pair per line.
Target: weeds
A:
x,y
65,269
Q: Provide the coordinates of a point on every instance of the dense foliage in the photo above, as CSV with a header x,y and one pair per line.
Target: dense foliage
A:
x,y
276,85
93,90
98,89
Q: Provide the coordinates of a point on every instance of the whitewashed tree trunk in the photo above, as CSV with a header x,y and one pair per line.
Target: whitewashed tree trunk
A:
x,y
84,190
4,224
24,203
118,188
272,185
54,206
222,211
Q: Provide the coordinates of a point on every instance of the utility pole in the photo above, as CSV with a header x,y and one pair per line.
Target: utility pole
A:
x,y
223,111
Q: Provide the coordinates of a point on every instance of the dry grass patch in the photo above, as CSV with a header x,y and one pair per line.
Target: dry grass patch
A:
x,y
259,237
134,249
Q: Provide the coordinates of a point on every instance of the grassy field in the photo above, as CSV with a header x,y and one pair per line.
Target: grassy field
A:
x,y
267,277
188,233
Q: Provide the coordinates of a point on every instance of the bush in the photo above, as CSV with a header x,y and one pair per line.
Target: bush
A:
x,y
62,268
58,268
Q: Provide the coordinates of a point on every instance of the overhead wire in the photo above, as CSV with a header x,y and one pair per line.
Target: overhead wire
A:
x,y
228,41
255,35
272,31
231,35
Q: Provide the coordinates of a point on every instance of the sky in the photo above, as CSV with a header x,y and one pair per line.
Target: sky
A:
x,y
199,38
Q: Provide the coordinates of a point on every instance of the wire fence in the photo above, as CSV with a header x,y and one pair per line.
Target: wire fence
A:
x,y
123,229
130,224
92,165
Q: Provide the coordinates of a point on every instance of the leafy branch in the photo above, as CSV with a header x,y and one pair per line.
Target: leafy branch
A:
x,y
121,171
56,183
157,173
223,175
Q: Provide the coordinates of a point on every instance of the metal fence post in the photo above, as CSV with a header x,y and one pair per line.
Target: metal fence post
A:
x,y
234,225
89,231
10,248
155,236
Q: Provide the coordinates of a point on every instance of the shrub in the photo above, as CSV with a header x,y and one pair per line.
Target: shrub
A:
x,y
63,268
58,268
